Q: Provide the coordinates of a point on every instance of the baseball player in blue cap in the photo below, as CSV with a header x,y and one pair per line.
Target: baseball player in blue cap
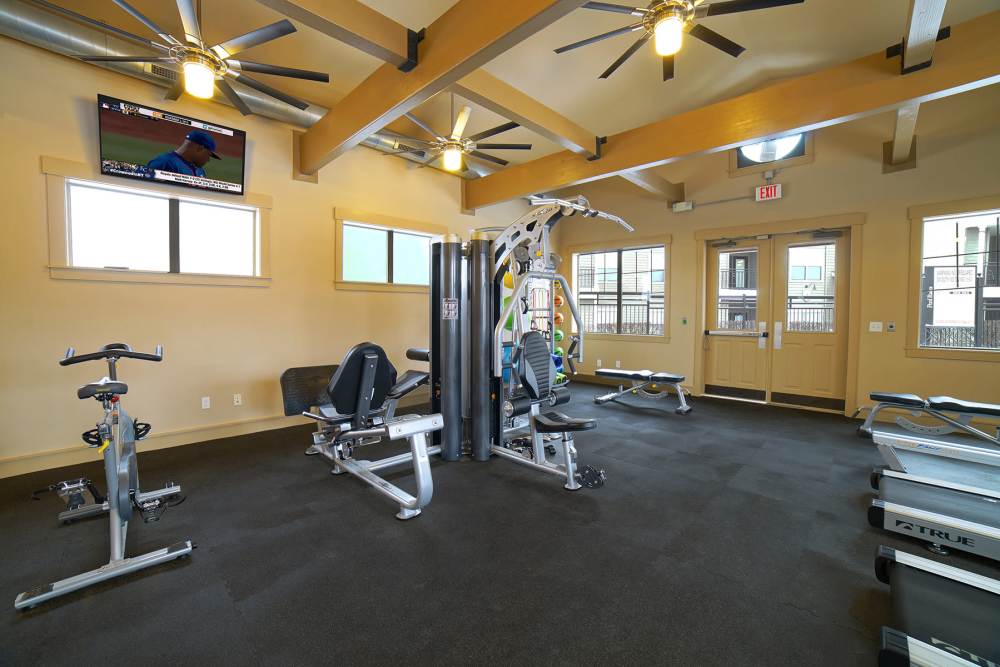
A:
x,y
188,158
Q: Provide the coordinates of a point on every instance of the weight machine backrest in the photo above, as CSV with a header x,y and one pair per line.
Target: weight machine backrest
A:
x,y
304,388
535,367
361,382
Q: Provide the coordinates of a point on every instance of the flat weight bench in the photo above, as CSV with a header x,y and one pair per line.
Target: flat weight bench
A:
x,y
640,381
935,407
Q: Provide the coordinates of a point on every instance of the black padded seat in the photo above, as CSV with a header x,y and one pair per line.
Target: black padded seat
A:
x,y
667,378
623,374
557,422
909,400
949,404
104,386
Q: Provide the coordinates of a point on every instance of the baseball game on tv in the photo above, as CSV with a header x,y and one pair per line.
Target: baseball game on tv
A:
x,y
150,144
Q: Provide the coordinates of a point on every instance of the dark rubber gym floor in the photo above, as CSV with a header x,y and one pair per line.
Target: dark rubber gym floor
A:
x,y
733,536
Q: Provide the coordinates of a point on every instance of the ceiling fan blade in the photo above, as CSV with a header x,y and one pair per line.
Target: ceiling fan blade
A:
x,y
713,38
422,125
477,155
268,90
668,68
175,89
56,9
493,131
598,38
430,158
402,138
625,56
461,122
189,18
505,147
734,6
277,70
126,59
141,18
231,47
617,9
415,151
233,96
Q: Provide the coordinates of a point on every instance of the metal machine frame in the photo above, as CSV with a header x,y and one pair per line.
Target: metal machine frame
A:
x,y
116,441
468,337
338,436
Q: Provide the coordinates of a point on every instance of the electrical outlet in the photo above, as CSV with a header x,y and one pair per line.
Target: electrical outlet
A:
x,y
875,327
598,363
618,364
206,402
237,399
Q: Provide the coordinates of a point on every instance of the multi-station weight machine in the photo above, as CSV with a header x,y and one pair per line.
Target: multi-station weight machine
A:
x,y
493,343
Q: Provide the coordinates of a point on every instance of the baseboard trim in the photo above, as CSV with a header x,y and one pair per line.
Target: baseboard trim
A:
x,y
77,454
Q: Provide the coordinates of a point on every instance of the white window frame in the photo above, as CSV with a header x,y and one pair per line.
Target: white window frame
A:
x,y
58,175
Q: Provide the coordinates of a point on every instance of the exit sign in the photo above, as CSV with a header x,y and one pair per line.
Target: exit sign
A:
x,y
769,192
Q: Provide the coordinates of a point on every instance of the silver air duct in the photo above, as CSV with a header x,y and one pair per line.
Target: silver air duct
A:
x,y
59,33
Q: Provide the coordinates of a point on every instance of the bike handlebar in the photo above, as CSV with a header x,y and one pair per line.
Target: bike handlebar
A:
x,y
111,351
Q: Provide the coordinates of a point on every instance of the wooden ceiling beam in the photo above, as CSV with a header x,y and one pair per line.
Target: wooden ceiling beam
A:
x,y
500,97
355,24
923,23
655,184
967,60
461,40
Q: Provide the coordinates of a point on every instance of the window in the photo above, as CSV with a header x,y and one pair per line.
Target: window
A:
x,y
811,300
621,291
960,282
138,230
771,150
736,298
371,254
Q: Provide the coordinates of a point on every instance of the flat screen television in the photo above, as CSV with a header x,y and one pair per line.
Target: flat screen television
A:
x,y
164,147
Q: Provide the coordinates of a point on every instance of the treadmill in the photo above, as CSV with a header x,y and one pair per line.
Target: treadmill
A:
x,y
943,615
944,514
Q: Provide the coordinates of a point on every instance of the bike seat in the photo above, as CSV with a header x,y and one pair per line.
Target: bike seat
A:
x,y
557,422
908,400
102,386
949,404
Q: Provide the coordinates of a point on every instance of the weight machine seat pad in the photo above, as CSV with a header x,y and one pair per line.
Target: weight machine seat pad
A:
x,y
909,400
667,378
410,381
949,404
104,386
623,374
557,422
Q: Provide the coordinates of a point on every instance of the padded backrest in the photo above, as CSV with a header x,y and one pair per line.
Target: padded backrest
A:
x,y
304,388
535,366
345,384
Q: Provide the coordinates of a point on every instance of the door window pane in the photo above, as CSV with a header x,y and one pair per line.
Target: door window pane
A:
x,y
410,258
365,255
736,298
111,228
960,282
217,239
811,288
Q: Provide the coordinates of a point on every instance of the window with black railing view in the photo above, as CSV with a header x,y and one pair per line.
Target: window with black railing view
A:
x,y
736,300
960,282
621,291
812,287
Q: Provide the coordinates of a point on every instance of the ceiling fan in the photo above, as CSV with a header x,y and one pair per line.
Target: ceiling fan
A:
x,y
455,149
204,67
666,21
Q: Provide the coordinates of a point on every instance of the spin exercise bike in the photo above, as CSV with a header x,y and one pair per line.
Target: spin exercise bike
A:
x,y
114,437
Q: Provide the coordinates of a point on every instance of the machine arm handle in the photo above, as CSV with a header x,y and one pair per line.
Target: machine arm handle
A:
x,y
418,354
583,206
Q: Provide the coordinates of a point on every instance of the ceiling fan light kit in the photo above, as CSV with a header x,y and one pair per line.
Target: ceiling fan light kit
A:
x,y
666,21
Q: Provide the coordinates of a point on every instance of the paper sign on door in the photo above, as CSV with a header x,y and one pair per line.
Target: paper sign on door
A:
x,y
777,335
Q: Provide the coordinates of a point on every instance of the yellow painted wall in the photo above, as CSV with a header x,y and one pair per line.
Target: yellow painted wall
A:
x,y
218,340
959,158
